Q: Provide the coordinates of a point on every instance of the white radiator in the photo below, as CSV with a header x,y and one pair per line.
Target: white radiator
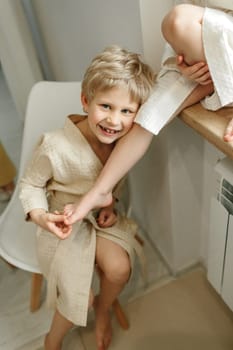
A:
x,y
220,254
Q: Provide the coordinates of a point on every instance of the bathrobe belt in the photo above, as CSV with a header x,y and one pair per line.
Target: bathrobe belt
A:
x,y
71,270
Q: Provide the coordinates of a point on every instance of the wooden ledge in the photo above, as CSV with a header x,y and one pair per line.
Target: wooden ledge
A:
x,y
210,125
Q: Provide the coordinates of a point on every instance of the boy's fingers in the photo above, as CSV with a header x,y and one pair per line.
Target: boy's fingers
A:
x,y
61,233
56,217
69,220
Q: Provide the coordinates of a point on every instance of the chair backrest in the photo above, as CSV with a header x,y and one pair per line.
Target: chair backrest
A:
x,y
48,105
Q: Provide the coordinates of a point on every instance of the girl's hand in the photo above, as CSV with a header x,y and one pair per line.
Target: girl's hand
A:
x,y
198,72
52,222
107,217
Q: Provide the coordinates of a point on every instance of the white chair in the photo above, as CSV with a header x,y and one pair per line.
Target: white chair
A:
x,y
48,105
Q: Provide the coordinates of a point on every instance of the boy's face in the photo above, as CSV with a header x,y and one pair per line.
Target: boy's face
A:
x,y
110,114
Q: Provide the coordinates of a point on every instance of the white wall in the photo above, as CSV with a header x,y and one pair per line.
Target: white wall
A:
x,y
172,185
17,53
152,13
74,31
171,194
211,156
171,189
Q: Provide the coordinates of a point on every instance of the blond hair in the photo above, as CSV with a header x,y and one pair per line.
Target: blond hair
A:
x,y
115,67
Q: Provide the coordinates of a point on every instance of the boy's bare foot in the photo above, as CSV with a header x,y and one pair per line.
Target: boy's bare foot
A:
x,y
103,327
91,200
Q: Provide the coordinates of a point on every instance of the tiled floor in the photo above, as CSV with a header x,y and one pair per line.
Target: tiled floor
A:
x,y
179,314
183,314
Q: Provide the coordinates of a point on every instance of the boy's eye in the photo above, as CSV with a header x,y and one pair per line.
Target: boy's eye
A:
x,y
126,111
105,106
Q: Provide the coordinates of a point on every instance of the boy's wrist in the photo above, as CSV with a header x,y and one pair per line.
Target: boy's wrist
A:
x,y
35,214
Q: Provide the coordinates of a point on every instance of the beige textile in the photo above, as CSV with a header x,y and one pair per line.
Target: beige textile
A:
x,y
171,88
65,167
8,171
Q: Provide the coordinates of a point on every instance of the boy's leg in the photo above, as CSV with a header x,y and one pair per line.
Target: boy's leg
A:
x,y
114,265
59,327
182,29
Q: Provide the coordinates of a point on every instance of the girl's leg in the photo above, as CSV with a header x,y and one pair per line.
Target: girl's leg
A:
x,y
59,328
114,266
177,26
126,153
182,29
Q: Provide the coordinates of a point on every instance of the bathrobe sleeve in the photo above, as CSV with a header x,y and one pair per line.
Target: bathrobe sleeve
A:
x,y
38,173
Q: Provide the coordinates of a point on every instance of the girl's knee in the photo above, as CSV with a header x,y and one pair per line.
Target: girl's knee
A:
x,y
118,271
173,22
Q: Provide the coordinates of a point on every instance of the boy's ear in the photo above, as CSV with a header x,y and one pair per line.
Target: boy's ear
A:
x,y
84,103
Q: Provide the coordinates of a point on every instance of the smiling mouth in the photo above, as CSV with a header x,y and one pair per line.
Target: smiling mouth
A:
x,y
109,131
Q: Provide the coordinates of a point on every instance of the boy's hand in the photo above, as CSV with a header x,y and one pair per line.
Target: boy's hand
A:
x,y
198,72
107,217
52,222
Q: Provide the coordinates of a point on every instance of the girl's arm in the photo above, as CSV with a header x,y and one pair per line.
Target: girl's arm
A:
x,y
132,146
126,153
124,156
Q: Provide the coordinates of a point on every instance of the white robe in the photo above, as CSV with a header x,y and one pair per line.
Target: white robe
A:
x,y
171,88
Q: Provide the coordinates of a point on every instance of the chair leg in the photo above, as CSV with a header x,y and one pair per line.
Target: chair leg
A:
x,y
36,284
120,315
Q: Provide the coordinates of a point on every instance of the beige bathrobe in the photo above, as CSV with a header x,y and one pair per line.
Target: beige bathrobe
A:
x,y
172,88
62,169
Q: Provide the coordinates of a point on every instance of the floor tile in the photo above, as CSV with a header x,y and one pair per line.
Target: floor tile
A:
x,y
185,314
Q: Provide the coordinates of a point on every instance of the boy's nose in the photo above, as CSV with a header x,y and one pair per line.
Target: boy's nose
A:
x,y
113,119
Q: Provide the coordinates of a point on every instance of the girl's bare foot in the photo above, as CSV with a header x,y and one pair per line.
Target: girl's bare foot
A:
x,y
91,200
228,134
103,328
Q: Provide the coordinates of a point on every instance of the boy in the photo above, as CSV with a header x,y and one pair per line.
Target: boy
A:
x,y
65,165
